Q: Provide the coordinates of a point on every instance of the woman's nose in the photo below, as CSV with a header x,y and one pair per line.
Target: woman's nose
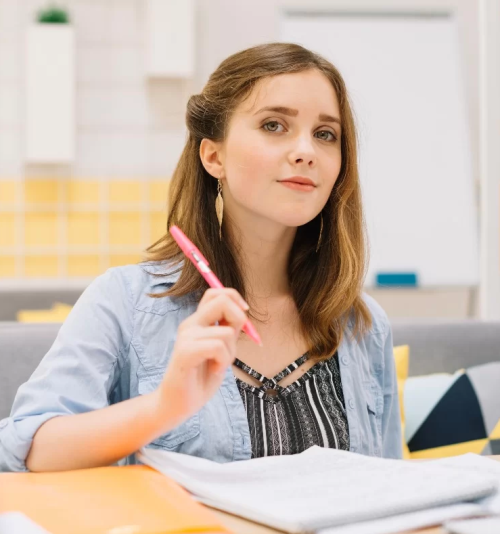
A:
x,y
303,152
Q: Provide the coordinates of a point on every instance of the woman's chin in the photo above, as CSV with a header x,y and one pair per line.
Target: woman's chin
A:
x,y
295,221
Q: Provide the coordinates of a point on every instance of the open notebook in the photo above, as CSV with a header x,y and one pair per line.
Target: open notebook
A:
x,y
321,488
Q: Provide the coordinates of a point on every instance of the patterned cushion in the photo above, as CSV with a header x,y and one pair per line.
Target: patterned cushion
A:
x,y
452,414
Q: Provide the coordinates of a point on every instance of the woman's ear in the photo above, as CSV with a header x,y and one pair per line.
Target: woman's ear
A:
x,y
210,155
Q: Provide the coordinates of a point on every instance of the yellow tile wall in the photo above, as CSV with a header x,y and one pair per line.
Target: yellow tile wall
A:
x,y
83,228
158,226
41,191
7,229
8,192
125,191
41,229
70,227
41,266
125,228
158,190
115,260
83,265
82,192
7,266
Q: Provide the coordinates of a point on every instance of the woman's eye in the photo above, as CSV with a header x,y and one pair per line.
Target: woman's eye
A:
x,y
324,137
271,126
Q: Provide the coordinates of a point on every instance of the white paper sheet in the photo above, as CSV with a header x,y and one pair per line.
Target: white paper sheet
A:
x,y
442,515
487,525
18,523
414,520
320,488
478,464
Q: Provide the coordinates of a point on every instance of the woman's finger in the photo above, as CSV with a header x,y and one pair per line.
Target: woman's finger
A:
x,y
212,293
220,308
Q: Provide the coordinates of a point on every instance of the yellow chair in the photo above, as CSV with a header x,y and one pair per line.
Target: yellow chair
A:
x,y
57,314
402,358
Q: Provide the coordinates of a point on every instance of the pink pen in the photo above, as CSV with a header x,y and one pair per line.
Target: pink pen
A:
x,y
201,263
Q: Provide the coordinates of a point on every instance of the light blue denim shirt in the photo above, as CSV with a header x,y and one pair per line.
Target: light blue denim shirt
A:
x,y
116,344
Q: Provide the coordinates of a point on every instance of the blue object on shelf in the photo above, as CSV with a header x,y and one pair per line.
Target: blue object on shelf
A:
x,y
397,280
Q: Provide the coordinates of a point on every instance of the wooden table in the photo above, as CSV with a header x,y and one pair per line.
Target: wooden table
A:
x,y
243,526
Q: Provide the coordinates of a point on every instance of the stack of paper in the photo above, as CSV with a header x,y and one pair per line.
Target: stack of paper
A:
x,y
333,491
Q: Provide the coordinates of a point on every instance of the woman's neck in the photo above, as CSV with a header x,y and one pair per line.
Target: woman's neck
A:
x,y
264,261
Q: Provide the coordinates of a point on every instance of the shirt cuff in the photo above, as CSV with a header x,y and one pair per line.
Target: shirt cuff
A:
x,y
16,438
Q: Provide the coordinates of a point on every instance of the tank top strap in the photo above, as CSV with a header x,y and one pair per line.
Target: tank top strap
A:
x,y
271,382
290,368
249,371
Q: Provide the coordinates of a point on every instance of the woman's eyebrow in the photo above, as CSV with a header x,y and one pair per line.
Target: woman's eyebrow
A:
x,y
293,113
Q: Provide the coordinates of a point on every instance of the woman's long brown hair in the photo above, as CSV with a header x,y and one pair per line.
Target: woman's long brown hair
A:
x,y
326,285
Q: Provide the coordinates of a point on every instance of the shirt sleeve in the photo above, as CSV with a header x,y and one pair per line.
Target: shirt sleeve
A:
x,y
392,445
79,371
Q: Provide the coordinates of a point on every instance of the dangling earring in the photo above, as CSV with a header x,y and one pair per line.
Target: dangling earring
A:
x,y
320,233
219,206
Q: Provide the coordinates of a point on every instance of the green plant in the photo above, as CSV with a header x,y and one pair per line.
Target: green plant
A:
x,y
53,15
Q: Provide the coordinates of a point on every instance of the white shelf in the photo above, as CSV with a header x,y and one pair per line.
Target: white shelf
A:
x,y
170,38
50,93
451,302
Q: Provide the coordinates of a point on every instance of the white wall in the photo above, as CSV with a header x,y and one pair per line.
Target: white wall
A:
x,y
128,126
227,26
490,158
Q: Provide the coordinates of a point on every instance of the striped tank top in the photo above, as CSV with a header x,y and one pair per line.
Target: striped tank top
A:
x,y
307,412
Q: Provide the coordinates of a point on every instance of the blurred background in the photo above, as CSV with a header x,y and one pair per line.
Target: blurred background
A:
x,y
92,103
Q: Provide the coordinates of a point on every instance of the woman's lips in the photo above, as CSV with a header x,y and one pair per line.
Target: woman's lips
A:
x,y
298,187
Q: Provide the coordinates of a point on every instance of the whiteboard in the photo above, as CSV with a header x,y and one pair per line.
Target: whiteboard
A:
x,y
405,83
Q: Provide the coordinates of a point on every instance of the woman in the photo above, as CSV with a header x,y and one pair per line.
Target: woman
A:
x,y
267,187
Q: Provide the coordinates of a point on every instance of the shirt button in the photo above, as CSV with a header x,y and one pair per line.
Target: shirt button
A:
x,y
345,360
351,403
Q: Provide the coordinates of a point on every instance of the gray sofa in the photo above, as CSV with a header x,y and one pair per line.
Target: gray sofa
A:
x,y
435,346
12,301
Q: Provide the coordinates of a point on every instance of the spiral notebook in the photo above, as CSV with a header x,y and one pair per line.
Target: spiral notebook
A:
x,y
320,488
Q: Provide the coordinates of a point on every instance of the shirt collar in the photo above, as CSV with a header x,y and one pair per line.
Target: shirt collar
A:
x,y
164,272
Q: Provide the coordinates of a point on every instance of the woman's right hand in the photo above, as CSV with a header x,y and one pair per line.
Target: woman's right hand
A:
x,y
202,353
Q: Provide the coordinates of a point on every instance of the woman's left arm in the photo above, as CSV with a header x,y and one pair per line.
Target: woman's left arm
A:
x,y
392,445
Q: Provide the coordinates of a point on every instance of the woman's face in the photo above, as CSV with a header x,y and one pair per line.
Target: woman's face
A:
x,y
288,127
